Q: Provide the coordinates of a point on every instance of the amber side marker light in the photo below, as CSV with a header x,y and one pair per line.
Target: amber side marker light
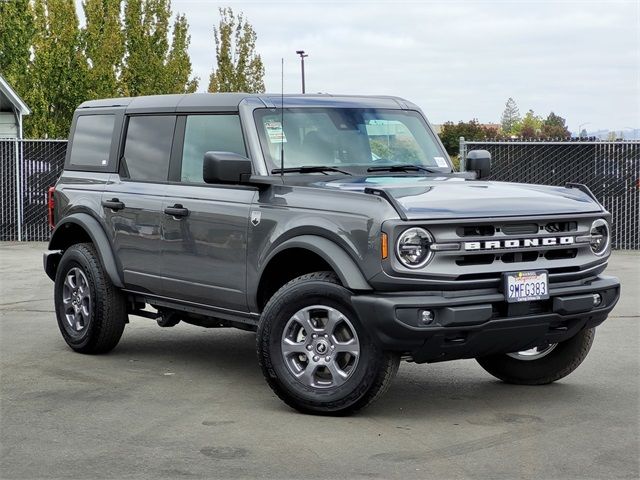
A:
x,y
384,245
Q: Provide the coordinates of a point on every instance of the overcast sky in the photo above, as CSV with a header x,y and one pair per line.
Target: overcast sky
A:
x,y
456,59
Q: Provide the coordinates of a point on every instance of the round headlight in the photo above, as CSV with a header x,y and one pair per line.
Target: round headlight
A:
x,y
414,247
599,236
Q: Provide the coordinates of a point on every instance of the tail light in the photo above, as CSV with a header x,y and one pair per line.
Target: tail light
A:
x,y
50,206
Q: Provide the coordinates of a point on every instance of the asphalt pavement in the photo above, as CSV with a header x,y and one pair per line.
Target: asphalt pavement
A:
x,y
187,402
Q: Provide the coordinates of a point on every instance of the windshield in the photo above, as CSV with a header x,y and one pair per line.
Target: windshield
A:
x,y
347,138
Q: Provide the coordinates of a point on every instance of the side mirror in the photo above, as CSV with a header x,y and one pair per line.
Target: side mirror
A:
x,y
225,167
479,161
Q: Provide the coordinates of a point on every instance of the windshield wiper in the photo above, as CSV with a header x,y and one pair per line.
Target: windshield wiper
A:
x,y
308,169
403,168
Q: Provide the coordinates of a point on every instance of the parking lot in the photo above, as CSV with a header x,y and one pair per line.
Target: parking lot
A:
x,y
188,402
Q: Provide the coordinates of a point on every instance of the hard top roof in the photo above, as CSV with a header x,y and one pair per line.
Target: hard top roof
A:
x,y
231,101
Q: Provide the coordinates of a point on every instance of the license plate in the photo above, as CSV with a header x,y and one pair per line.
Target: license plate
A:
x,y
526,286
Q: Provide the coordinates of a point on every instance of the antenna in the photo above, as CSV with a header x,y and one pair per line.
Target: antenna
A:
x,y
282,118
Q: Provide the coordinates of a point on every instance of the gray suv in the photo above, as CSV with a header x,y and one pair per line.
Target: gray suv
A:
x,y
334,227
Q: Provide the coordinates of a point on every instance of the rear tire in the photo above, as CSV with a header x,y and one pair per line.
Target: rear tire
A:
x,y
91,311
314,352
550,364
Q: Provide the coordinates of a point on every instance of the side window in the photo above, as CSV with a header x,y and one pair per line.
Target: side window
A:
x,y
91,141
147,148
207,133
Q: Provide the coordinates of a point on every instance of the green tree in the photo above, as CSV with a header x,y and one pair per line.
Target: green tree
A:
x,y
57,70
16,37
584,134
450,134
178,67
238,67
150,67
529,127
554,126
104,47
510,117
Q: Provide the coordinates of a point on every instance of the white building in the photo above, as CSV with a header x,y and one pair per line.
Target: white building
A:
x,y
12,109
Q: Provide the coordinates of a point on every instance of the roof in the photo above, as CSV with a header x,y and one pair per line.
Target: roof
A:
x,y
13,97
231,101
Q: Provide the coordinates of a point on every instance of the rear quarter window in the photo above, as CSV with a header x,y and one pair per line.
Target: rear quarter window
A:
x,y
91,141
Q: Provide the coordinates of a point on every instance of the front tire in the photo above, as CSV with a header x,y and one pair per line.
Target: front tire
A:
x,y
314,352
91,311
542,365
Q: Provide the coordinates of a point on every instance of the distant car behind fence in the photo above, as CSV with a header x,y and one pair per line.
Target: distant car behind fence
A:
x,y
27,168
610,169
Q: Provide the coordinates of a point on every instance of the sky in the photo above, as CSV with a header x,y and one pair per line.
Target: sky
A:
x,y
456,59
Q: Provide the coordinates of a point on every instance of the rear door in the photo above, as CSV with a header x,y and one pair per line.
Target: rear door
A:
x,y
205,244
132,201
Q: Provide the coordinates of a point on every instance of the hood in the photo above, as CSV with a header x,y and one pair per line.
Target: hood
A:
x,y
419,198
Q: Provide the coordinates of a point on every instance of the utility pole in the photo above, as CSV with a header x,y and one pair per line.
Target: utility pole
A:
x,y
302,57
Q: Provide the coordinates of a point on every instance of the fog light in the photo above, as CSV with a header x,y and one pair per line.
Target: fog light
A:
x,y
426,317
597,299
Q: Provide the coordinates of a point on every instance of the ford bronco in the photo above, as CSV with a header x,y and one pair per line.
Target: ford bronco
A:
x,y
333,226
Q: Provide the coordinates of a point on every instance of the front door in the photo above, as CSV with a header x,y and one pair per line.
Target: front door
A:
x,y
205,226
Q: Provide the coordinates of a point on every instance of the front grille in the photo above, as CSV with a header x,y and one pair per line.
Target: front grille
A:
x,y
520,229
488,249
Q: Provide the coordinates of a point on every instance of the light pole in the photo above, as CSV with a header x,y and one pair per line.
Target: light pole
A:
x,y
302,57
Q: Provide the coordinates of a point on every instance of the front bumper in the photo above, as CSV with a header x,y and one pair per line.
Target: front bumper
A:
x,y
468,325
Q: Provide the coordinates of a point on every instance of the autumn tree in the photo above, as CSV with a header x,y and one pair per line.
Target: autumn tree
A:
x,y
103,46
57,70
510,117
554,126
450,134
238,67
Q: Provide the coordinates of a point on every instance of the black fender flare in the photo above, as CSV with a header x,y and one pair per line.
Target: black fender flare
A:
x,y
345,267
99,238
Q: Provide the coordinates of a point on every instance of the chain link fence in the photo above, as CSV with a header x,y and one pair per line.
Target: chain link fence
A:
x,y
28,169
610,169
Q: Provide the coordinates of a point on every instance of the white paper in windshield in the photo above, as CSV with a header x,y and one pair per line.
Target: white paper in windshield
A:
x,y
274,132
440,161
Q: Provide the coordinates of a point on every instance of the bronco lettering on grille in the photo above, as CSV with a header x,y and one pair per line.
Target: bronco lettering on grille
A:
x,y
519,243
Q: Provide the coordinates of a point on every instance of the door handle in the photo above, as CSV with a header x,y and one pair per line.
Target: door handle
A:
x,y
113,204
177,211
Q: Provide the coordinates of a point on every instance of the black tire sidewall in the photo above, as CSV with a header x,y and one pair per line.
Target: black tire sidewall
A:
x,y
280,309
76,257
560,362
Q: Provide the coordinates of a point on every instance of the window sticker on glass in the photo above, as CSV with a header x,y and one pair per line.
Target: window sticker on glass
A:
x,y
274,132
440,161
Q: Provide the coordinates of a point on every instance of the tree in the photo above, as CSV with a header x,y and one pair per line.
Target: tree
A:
x,y
238,67
150,68
583,133
554,126
510,117
450,134
57,70
16,37
529,127
178,66
103,44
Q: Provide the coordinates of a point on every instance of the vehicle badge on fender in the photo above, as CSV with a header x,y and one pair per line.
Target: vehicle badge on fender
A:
x,y
255,218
